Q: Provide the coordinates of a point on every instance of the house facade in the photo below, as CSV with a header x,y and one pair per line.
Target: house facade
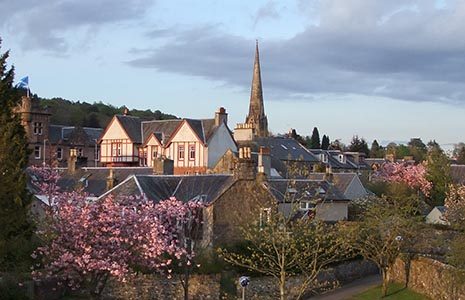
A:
x,y
51,144
194,145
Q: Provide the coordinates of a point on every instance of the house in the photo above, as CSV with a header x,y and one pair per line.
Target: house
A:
x,y
194,145
349,184
436,216
340,161
51,144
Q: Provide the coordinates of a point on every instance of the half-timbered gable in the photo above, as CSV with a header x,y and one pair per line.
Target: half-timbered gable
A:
x,y
121,140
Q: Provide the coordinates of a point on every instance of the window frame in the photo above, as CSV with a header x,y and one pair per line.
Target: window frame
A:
x,y
37,150
59,153
37,128
192,151
181,152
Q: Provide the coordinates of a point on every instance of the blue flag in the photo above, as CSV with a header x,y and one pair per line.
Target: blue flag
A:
x,y
23,83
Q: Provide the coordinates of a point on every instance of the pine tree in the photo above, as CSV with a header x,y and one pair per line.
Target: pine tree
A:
x,y
358,145
325,142
15,228
376,151
315,139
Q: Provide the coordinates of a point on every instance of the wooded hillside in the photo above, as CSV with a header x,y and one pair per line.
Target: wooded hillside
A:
x,y
98,114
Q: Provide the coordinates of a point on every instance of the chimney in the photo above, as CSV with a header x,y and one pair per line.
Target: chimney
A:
x,y
244,168
264,161
163,166
125,111
329,174
221,116
72,159
111,180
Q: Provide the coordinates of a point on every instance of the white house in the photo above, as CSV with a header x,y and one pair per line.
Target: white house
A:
x,y
194,145
436,216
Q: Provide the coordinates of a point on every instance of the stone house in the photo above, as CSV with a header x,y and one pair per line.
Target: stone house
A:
x,y
51,144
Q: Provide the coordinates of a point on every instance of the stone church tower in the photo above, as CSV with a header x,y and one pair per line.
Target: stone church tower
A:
x,y
256,116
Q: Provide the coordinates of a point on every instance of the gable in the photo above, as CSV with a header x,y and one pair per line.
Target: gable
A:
x,y
153,141
114,131
185,134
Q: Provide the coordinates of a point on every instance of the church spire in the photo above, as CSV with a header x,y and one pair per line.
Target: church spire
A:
x,y
256,114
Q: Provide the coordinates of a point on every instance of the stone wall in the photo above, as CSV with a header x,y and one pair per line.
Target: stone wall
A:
x,y
429,277
266,287
148,287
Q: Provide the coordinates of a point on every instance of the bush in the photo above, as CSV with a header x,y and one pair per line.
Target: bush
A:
x,y
11,288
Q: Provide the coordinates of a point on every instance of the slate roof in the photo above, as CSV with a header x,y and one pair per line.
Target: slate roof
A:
x,y
139,131
60,133
457,173
132,126
333,159
286,149
93,180
162,128
284,190
340,180
206,188
442,209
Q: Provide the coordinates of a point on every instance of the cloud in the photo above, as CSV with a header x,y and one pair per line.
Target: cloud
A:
x,y
44,24
266,11
408,50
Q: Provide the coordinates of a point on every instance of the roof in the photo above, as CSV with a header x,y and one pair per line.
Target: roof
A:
x,y
132,126
206,188
287,149
162,128
61,133
457,173
93,180
333,159
285,190
341,180
442,208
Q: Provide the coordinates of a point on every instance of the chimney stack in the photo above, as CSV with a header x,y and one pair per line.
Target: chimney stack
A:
x,y
111,180
72,159
245,168
163,166
329,174
126,111
221,116
264,161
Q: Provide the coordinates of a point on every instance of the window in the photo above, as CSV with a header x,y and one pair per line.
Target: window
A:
x,y
38,128
37,152
80,152
181,152
115,149
265,216
59,153
142,157
155,152
342,158
191,152
305,205
323,157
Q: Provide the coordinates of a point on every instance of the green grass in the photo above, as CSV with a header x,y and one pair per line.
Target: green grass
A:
x,y
396,291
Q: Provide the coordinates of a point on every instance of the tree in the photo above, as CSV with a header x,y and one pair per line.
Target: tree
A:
x,y
459,153
414,176
297,137
315,139
337,145
15,227
358,145
438,173
86,242
417,149
376,151
383,230
282,248
325,142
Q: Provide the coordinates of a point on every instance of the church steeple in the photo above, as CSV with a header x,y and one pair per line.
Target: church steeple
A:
x,y
256,114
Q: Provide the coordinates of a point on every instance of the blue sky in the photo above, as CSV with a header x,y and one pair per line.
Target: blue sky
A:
x,y
389,70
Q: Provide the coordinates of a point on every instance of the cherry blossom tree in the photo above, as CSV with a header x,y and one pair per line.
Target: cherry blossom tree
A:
x,y
414,176
89,241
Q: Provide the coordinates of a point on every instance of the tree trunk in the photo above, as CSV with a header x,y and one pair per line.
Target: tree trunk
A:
x,y
282,286
186,283
385,273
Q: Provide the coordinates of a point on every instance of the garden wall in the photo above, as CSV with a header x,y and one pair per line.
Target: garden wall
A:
x,y
429,277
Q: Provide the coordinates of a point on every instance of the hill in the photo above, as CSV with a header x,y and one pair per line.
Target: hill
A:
x,y
98,114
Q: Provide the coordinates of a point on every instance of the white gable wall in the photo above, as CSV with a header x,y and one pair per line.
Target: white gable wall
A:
x,y
116,134
185,137
218,144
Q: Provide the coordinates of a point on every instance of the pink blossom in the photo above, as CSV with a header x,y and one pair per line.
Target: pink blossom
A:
x,y
413,176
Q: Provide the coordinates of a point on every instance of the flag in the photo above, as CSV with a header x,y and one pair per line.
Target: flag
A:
x,y
23,83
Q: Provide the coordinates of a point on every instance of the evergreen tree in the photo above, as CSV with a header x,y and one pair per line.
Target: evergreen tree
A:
x,y
15,228
315,139
358,145
325,142
376,150
461,156
418,149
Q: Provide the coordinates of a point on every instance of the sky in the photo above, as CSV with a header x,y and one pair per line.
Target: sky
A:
x,y
385,70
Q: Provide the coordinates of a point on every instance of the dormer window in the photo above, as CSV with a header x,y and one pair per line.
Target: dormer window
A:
x,y
323,157
38,128
342,158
